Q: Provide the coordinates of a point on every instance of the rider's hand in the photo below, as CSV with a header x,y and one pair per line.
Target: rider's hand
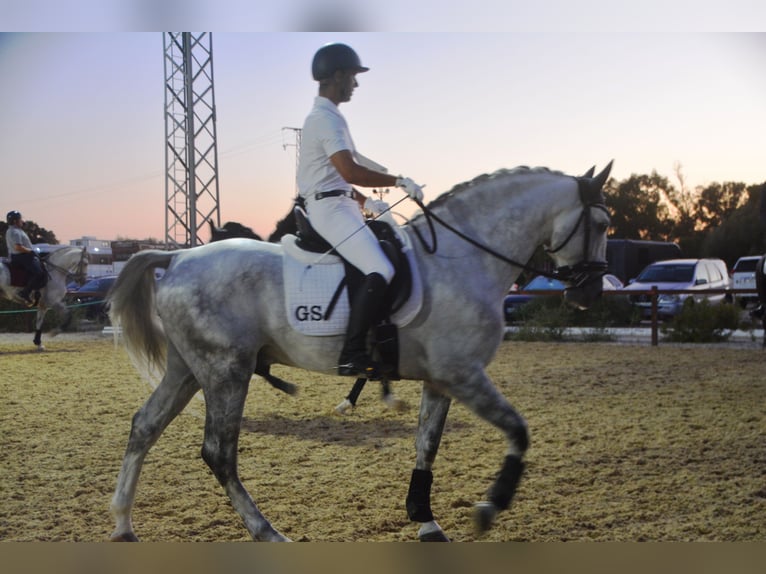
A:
x,y
413,189
375,206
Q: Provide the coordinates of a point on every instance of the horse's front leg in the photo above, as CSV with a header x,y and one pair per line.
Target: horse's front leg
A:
x,y
480,395
38,340
434,407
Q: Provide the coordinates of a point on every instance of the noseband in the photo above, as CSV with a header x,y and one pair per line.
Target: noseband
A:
x,y
586,271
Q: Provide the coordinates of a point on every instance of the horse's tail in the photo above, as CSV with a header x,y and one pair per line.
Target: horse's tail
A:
x,y
131,307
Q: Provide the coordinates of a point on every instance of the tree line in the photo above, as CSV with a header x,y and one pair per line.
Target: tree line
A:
x,y
725,220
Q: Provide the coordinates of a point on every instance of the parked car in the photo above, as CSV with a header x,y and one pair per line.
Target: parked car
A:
x,y
743,277
516,299
91,296
701,275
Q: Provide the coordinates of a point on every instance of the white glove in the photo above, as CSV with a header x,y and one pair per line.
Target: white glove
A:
x,y
375,206
413,189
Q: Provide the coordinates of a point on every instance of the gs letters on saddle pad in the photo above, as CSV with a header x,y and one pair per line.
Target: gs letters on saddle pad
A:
x,y
317,285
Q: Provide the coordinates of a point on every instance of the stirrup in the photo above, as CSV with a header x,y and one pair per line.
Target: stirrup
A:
x,y
363,366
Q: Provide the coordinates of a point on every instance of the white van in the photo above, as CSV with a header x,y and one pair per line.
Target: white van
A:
x,y
699,275
743,277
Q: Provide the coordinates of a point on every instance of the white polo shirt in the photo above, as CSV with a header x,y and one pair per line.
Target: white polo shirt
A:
x,y
325,132
15,236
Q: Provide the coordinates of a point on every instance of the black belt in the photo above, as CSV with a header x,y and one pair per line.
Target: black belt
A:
x,y
334,193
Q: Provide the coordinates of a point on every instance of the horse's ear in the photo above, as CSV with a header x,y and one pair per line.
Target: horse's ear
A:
x,y
601,178
590,172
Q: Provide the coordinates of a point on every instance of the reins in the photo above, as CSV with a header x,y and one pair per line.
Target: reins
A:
x,y
579,274
561,273
65,271
429,215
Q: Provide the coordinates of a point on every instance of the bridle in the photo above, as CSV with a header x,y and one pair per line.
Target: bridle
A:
x,y
577,276
585,271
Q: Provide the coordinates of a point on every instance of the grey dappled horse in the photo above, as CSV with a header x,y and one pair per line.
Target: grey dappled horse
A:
x,y
62,266
218,313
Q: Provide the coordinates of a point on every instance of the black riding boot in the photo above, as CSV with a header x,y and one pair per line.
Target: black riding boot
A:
x,y
24,294
354,359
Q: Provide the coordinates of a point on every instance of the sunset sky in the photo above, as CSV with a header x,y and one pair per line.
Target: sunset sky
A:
x,y
82,127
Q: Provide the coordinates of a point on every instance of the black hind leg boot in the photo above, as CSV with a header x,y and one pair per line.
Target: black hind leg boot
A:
x,y
354,359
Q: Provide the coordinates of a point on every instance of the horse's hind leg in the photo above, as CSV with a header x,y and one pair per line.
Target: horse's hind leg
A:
x,y
168,399
434,407
225,401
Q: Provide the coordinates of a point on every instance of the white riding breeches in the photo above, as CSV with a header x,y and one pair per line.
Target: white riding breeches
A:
x,y
339,221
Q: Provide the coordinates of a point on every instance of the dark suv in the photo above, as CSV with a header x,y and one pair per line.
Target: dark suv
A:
x,y
92,297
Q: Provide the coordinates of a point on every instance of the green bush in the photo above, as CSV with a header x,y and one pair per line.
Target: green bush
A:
x,y
701,322
543,319
546,318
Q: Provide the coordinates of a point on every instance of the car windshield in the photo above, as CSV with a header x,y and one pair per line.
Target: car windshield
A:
x,y
100,284
541,283
745,265
667,274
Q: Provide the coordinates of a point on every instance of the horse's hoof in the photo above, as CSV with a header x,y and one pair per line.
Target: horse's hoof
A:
x,y
437,536
432,532
124,537
344,407
484,516
40,348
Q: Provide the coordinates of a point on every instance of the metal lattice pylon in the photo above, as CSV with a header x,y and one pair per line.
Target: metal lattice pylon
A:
x,y
191,152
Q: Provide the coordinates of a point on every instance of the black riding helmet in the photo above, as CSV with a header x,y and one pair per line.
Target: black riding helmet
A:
x,y
333,57
12,217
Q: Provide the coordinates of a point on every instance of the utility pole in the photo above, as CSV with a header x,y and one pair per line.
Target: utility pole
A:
x,y
191,151
297,145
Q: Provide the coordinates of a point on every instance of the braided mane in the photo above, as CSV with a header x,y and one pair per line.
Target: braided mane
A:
x,y
481,179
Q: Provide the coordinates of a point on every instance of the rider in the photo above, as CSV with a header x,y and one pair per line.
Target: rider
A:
x,y
329,167
21,254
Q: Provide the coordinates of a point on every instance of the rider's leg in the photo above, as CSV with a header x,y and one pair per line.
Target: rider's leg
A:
x,y
29,262
340,222
354,359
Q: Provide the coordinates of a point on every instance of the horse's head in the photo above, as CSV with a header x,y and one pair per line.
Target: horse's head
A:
x,y
230,230
578,242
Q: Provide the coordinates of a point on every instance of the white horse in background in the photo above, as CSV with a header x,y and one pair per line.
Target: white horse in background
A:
x,y
219,313
61,266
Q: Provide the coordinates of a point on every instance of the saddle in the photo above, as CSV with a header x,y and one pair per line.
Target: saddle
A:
x,y
319,285
399,289
19,275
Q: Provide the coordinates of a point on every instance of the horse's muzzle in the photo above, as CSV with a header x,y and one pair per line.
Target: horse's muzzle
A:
x,y
585,283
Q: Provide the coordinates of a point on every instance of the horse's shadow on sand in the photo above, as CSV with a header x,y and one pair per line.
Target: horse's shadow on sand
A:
x,y
332,429
38,352
328,429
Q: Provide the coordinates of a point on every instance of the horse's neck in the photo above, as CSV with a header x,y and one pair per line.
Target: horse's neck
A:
x,y
513,223
64,260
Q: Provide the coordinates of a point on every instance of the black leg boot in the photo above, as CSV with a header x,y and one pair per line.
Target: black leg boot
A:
x,y
24,294
354,359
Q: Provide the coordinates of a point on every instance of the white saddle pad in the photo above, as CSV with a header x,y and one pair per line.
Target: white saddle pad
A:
x,y
311,281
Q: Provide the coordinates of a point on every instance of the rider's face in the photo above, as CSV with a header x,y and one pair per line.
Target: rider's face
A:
x,y
346,84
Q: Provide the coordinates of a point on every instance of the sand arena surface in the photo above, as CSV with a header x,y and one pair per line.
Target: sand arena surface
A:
x,y
628,443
